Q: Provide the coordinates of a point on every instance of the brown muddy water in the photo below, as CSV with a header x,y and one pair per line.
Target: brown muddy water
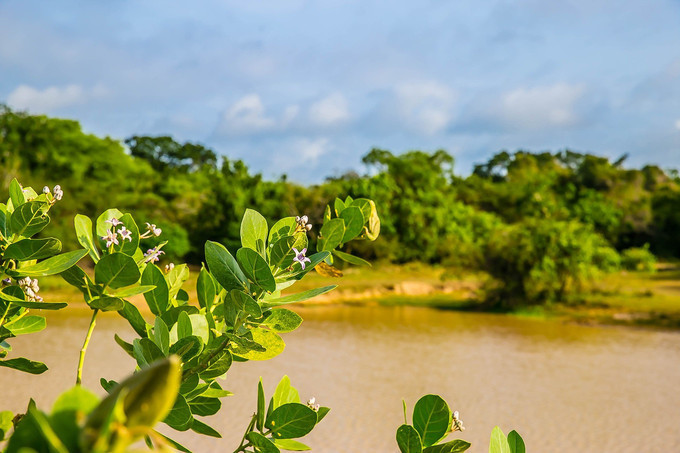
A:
x,y
565,388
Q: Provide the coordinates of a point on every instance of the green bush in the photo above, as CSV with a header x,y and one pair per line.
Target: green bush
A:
x,y
638,259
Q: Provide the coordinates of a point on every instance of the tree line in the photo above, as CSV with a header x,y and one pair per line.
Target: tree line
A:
x,y
540,223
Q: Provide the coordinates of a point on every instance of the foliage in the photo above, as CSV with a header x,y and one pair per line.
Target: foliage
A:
x,y
538,260
638,259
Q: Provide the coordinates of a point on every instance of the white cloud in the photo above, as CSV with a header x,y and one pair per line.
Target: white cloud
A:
x,y
539,107
677,124
330,110
247,115
51,98
426,107
311,150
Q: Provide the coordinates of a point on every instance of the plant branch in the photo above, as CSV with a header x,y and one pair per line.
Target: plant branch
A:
x,y
83,350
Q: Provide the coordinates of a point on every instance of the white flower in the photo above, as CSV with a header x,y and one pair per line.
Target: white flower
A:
x,y
300,257
110,238
457,423
153,229
46,190
31,289
125,234
153,255
114,222
169,267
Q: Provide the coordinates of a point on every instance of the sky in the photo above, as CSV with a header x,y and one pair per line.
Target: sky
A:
x,y
307,88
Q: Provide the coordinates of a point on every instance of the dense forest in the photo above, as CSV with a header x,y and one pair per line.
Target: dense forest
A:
x,y
540,222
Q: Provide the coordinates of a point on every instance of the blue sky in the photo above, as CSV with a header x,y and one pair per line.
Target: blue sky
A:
x,y
308,87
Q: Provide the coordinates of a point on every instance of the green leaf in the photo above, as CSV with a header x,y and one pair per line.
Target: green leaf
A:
x,y
131,313
83,226
408,439
297,297
254,231
217,367
455,446
431,418
76,399
199,327
351,259
291,445
6,424
26,365
224,267
516,442
158,299
76,277
271,341
134,290
39,305
29,218
498,443
175,279
291,420
16,194
215,391
284,393
284,227
127,347
26,325
256,269
184,328
322,412
161,336
116,271
354,223
201,428
331,234
4,221
282,254
180,417
205,289
261,444
107,303
54,265
205,406
146,352
339,206
260,406
246,303
32,249
370,213
187,348
283,320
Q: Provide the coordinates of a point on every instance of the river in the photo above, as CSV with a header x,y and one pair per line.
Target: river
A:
x,y
564,387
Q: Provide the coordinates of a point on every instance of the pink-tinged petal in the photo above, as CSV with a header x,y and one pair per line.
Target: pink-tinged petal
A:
x,y
304,250
302,263
307,260
296,251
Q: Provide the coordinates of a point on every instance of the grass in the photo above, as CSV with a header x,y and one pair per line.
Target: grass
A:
x,y
633,298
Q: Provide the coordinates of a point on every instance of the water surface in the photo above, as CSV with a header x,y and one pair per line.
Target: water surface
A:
x,y
565,388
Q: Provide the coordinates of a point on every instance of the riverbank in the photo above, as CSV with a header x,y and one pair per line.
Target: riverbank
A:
x,y
629,298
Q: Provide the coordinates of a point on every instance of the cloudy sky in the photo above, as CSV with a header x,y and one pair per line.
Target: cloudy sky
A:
x,y
308,87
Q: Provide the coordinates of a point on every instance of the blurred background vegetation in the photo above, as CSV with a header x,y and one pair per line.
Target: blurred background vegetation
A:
x,y
540,224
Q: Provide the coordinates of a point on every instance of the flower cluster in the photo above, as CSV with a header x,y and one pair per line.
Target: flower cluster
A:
x,y
112,234
312,404
457,423
302,224
31,289
58,194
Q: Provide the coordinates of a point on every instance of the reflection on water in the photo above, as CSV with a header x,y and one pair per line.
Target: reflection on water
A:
x,y
565,388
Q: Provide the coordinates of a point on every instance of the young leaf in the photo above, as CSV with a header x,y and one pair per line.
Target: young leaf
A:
x,y
107,303
284,227
199,427
83,226
131,313
254,231
271,341
351,259
25,365
431,418
161,336
205,289
261,444
260,406
16,193
498,443
291,445
284,393
408,440
26,325
339,206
